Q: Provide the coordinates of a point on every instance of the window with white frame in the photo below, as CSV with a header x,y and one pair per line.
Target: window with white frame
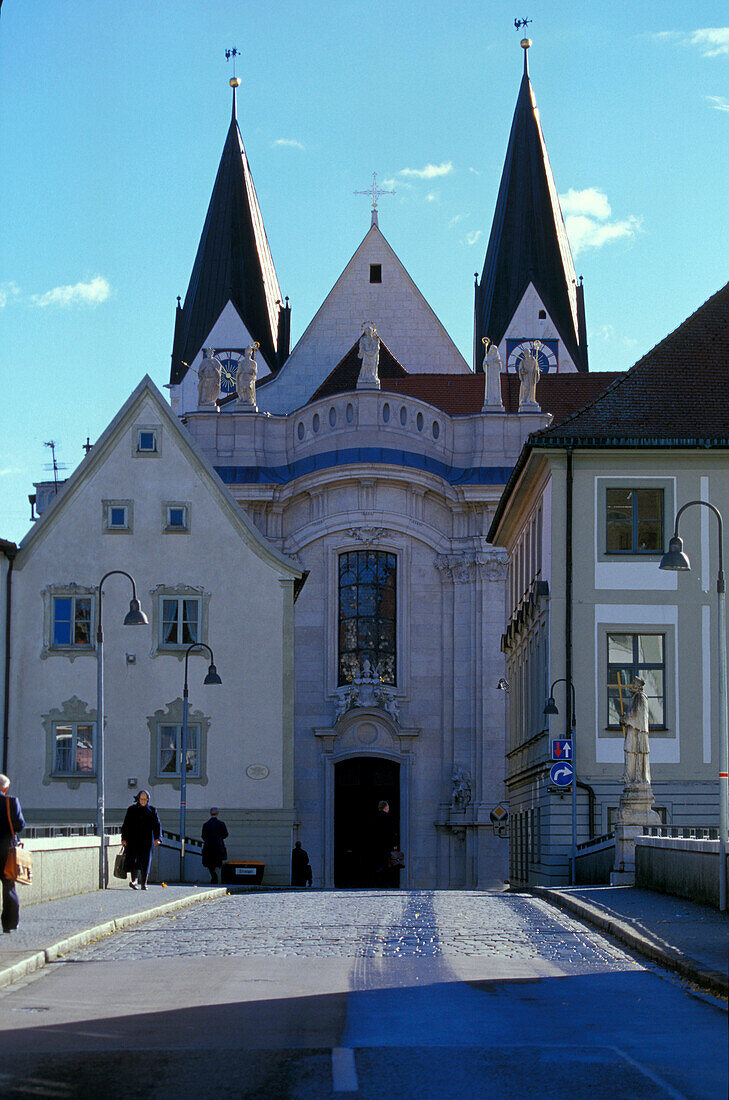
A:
x,y
176,517
73,748
179,621
71,622
169,750
634,521
631,655
147,441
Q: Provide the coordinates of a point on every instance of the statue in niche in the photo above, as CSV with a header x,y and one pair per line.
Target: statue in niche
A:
x,y
529,376
369,353
492,368
461,789
208,378
637,746
245,379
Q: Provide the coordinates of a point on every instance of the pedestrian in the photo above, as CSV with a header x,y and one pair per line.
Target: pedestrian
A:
x,y
10,811
382,840
140,832
300,868
214,851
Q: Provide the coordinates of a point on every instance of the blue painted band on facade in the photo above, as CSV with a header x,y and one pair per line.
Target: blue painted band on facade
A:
x,y
280,475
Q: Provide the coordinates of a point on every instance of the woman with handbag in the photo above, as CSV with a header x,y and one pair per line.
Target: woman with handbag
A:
x,y
140,831
11,822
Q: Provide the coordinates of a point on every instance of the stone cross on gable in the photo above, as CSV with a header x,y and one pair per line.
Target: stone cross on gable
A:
x,y
374,193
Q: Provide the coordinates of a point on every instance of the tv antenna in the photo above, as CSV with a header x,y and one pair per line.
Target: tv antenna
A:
x,y
54,465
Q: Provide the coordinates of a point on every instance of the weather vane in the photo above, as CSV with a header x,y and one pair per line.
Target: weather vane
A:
x,y
232,53
519,23
374,191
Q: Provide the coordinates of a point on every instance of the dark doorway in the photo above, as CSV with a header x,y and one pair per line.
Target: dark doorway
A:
x,y
359,784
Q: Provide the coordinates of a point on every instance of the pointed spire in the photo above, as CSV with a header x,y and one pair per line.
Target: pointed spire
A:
x,y
233,263
528,241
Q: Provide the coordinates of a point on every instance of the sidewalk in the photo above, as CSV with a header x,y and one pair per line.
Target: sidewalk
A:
x,y
53,928
691,939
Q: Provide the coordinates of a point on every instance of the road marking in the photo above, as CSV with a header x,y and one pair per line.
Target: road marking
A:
x,y
344,1071
668,1089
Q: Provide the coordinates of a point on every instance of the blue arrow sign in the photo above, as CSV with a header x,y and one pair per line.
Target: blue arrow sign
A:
x,y
562,749
561,774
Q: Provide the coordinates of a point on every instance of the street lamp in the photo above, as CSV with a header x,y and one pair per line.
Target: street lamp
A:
x,y
677,560
134,617
550,707
211,678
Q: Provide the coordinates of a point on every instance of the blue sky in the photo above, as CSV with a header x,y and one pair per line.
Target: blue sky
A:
x,y
114,115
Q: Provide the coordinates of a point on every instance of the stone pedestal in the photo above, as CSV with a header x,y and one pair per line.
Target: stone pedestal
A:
x,y
634,814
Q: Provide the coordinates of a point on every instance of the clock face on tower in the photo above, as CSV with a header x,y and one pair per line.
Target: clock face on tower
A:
x,y
229,368
546,356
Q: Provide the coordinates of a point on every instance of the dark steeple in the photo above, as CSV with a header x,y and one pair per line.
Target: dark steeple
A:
x,y
528,242
233,263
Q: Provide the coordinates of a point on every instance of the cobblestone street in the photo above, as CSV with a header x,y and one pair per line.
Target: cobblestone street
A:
x,y
319,994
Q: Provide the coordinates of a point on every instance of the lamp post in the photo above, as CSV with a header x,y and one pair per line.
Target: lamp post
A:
x,y
211,678
677,560
550,707
134,617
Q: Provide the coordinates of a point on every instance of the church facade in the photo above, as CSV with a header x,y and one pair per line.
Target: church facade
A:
x,y
370,459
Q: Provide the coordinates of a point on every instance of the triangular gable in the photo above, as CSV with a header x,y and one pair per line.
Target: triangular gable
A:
x,y
404,319
107,442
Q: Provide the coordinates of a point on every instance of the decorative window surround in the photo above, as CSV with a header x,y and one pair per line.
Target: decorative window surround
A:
x,y
109,513
177,592
172,716
73,592
176,517
73,712
147,440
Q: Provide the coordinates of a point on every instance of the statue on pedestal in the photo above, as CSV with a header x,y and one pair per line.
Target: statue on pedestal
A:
x,y
492,368
245,379
636,748
461,789
369,353
208,378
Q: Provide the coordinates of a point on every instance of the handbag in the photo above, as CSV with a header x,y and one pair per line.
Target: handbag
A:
x,y
396,861
120,864
18,863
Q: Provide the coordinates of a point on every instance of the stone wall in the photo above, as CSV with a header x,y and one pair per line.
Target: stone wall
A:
x,y
66,865
594,864
673,865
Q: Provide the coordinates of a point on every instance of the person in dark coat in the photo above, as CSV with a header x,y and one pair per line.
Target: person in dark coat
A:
x,y
382,838
140,832
11,906
300,867
214,851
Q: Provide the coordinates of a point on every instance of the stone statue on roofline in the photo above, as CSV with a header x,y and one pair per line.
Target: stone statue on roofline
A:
x,y
492,368
369,353
528,377
208,379
245,380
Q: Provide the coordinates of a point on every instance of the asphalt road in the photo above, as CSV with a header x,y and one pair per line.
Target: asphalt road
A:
x,y
389,994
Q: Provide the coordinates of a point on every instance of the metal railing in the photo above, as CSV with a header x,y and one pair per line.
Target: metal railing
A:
x,y
683,832
44,832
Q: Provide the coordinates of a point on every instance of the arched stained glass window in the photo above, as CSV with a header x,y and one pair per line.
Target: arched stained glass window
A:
x,y
367,607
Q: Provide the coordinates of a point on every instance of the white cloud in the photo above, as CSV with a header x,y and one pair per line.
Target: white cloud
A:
x,y
289,143
587,220
8,291
92,293
8,470
474,235
455,220
718,102
431,171
711,41
431,196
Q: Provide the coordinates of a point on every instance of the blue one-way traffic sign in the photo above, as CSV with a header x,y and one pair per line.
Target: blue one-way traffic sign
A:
x,y
561,774
562,749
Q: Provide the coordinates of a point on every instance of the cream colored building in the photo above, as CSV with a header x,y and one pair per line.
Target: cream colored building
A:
x,y
585,519
144,500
